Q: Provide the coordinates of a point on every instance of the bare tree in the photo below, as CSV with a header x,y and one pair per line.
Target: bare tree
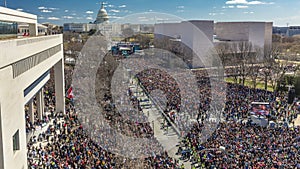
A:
x,y
241,53
222,49
176,47
127,32
272,71
253,67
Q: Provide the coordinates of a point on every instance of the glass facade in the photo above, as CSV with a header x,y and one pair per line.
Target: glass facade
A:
x,y
8,28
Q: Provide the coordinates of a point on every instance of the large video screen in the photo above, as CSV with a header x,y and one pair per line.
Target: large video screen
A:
x,y
258,108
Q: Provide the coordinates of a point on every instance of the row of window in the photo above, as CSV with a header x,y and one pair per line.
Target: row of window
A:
x,y
25,30
7,28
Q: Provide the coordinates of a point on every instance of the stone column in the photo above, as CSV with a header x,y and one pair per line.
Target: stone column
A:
x,y
33,30
39,104
59,86
31,111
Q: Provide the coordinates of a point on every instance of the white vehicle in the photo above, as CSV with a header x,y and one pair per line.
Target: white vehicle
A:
x,y
139,52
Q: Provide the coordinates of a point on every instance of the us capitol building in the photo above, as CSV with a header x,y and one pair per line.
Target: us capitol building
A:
x,y
102,16
103,25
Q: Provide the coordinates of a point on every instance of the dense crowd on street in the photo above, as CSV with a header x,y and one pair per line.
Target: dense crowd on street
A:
x,y
246,145
65,143
236,142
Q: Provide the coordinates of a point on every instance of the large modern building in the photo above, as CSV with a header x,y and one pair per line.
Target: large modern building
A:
x,y
287,31
257,33
24,70
197,35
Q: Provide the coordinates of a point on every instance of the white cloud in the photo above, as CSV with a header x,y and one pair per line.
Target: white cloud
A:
x,y
212,14
221,13
150,10
54,8
46,11
66,10
259,3
89,18
68,17
248,12
41,17
111,6
230,6
122,6
245,2
73,14
256,3
114,10
53,18
42,7
237,2
180,7
242,6
19,9
180,11
89,12
79,18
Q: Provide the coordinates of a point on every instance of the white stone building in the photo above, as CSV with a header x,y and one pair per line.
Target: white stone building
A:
x,y
200,35
195,34
24,70
257,33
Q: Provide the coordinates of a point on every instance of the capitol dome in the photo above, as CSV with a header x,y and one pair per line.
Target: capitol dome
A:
x,y
102,15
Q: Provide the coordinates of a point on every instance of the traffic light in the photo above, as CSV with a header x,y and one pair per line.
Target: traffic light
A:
x,y
291,96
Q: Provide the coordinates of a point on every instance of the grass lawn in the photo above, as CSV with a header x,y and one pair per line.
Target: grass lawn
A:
x,y
259,84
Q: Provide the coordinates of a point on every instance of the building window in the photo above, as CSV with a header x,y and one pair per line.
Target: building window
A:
x,y
8,28
16,141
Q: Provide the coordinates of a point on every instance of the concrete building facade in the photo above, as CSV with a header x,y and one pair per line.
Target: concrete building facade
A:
x,y
24,70
195,34
201,36
287,31
257,33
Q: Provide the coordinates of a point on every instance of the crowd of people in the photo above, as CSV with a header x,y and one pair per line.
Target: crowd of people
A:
x,y
244,145
66,144
236,142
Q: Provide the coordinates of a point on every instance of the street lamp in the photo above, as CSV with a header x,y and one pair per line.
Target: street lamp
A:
x,y
153,126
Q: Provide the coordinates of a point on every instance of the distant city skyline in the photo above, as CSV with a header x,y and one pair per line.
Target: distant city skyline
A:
x,y
279,12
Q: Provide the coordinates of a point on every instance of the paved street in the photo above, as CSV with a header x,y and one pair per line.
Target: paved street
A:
x,y
166,136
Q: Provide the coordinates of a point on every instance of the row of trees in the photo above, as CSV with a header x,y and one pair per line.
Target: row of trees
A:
x,y
243,61
249,62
